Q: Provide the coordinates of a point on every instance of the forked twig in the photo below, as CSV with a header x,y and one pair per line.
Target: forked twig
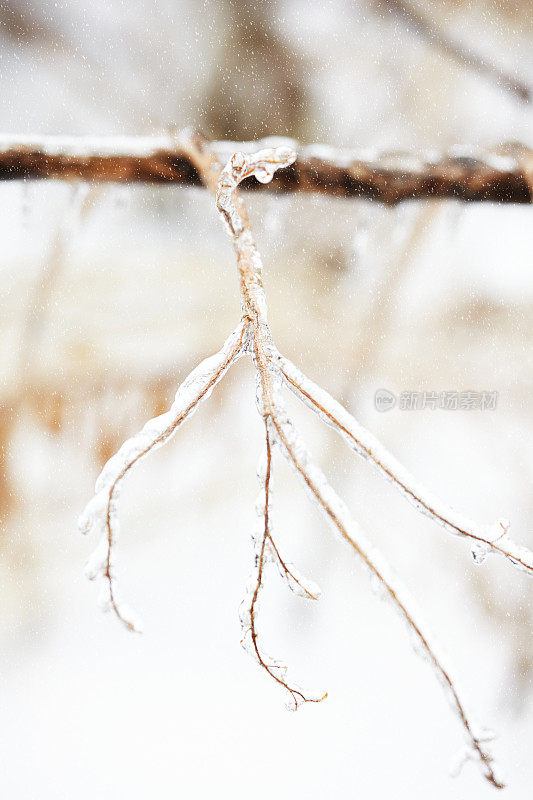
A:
x,y
253,336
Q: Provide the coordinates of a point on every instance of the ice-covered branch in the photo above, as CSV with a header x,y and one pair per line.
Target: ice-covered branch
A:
x,y
264,551
253,336
484,539
269,365
263,165
337,514
463,172
101,514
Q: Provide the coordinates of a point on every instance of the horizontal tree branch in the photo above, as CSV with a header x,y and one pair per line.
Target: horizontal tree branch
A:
x,y
466,173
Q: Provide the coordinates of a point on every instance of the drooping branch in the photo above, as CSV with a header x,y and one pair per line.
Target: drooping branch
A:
x,y
223,183
265,551
335,511
270,373
101,513
484,539
253,336
464,173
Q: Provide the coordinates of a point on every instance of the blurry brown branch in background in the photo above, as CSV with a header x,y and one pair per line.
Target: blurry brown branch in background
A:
x,y
25,25
238,105
83,199
431,33
32,28
464,173
32,335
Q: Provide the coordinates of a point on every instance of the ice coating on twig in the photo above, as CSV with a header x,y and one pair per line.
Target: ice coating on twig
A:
x,y
262,164
484,538
296,582
101,513
266,551
334,509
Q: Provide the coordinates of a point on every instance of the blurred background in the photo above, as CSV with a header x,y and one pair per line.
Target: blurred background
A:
x,y
110,295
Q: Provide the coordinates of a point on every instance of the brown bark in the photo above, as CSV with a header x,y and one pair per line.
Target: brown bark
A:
x,y
503,176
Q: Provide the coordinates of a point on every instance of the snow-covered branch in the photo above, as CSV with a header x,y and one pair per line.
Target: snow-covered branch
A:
x,y
463,172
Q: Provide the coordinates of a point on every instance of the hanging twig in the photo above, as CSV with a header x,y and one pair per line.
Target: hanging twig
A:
x,y
253,336
101,513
